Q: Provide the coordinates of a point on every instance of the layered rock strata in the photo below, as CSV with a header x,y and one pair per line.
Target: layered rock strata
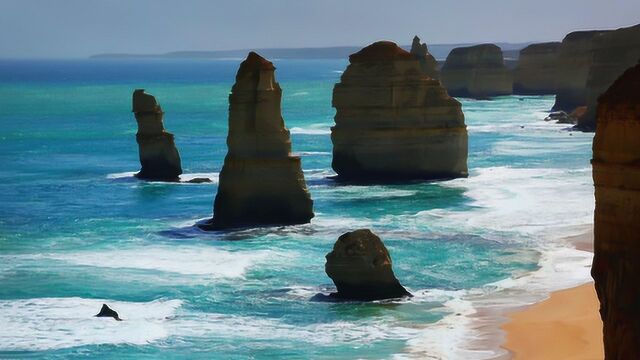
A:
x,y
393,122
360,267
261,182
616,175
428,63
574,62
159,156
476,72
537,69
613,53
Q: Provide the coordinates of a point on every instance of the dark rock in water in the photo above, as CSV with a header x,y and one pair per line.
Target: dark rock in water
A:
x,y
261,182
560,117
106,311
198,181
158,153
616,176
361,269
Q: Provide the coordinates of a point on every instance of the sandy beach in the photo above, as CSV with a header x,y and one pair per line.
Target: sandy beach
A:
x,y
565,326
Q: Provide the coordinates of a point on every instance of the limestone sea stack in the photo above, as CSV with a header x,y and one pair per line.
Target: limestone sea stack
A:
x,y
616,175
393,122
428,63
536,71
574,62
613,53
261,182
360,267
477,72
159,156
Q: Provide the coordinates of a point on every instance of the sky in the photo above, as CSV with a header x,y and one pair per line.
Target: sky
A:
x,y
80,28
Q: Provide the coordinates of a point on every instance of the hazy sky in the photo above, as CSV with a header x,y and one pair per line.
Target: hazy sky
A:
x,y
79,28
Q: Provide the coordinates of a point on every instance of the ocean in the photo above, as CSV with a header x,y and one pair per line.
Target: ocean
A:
x,y
78,230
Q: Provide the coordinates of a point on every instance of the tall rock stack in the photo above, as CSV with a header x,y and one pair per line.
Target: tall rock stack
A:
x,y
574,62
476,72
159,156
613,53
537,69
393,122
428,63
616,174
261,183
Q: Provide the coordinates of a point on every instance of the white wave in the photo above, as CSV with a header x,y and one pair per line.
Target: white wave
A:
x,y
310,131
122,175
312,153
300,93
54,323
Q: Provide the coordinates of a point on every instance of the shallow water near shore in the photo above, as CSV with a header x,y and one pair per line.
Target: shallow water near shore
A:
x,y
77,230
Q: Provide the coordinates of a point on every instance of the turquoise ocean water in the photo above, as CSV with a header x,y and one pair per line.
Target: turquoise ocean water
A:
x,y
77,230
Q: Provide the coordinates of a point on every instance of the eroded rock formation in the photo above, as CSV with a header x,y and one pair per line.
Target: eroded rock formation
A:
x,y
361,269
476,71
428,63
159,156
613,53
536,71
261,183
574,62
394,122
616,175
106,311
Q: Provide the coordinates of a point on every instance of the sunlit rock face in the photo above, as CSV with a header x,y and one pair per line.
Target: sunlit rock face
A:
x,y
616,174
476,72
393,122
428,63
537,69
574,62
613,53
261,182
360,267
159,158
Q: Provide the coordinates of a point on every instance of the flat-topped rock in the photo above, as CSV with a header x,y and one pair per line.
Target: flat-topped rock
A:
x,y
261,182
476,71
536,71
616,175
613,53
159,158
428,63
574,63
361,268
395,123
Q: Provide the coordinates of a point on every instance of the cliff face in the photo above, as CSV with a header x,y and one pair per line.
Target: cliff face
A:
x,y
428,63
159,157
394,122
537,69
613,53
574,61
616,175
360,267
477,72
261,183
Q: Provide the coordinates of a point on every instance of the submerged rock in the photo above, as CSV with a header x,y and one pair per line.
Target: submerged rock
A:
x,y
159,156
106,311
477,72
561,117
393,122
613,53
574,62
537,69
428,63
261,183
616,175
361,269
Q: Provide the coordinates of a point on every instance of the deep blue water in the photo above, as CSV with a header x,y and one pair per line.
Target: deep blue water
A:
x,y
77,230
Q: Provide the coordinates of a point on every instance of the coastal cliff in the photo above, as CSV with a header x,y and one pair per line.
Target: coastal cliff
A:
x,y
159,158
476,72
574,62
428,63
393,122
261,183
616,175
613,53
537,69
